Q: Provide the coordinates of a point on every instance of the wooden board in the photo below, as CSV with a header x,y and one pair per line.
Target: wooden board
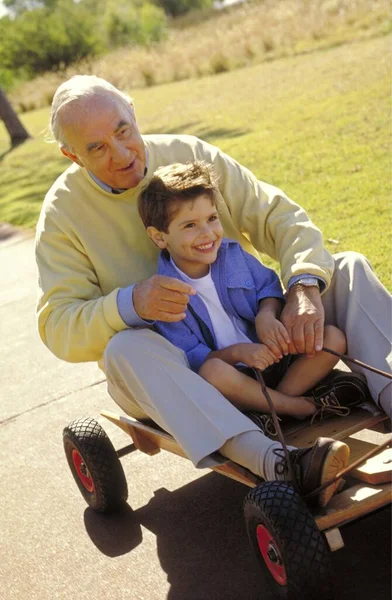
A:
x,y
304,435
377,469
354,502
351,503
150,441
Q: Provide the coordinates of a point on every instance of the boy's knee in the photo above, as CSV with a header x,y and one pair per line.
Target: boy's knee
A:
x,y
335,339
212,370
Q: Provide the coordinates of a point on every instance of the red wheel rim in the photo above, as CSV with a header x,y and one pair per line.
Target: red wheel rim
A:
x,y
271,554
82,470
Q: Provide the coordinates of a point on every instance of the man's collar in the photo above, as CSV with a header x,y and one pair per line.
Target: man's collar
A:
x,y
101,184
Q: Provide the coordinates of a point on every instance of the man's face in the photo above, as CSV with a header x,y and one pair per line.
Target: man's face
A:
x,y
194,236
104,138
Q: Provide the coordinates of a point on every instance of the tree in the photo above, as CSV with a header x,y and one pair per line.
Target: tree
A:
x,y
175,8
44,40
129,23
12,123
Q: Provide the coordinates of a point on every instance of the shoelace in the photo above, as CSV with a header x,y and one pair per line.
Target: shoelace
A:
x,y
281,466
265,422
329,405
269,426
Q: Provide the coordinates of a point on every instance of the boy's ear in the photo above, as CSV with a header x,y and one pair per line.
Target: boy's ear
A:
x,y
157,237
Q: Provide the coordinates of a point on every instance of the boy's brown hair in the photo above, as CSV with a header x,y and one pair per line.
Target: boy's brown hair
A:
x,y
171,185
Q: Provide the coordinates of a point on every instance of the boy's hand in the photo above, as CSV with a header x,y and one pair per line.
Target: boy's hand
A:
x,y
162,298
255,355
273,334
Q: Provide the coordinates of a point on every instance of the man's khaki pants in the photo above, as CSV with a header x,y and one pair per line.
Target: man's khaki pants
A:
x,y
150,378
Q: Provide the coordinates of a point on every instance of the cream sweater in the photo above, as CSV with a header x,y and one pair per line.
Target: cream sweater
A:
x,y
90,243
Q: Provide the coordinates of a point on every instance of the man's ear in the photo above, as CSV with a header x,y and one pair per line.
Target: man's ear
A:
x,y
71,156
157,237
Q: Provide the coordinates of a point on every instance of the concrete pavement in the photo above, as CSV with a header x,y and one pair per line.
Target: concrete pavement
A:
x,y
182,536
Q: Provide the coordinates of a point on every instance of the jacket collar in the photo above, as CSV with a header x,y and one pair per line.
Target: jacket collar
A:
x,y
165,267
238,274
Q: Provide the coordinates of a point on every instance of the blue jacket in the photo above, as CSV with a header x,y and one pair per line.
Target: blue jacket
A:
x,y
241,281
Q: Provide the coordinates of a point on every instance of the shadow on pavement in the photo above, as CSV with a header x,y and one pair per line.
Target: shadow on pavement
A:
x,y
113,535
7,231
203,547
201,540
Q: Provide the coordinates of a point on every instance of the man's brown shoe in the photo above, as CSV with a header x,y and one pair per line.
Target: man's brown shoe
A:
x,y
314,466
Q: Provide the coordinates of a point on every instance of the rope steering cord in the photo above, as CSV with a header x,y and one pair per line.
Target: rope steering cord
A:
x,y
354,465
358,362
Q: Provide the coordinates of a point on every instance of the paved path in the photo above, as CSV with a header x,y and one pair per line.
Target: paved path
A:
x,y
182,536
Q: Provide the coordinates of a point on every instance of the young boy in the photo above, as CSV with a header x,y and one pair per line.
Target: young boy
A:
x,y
232,323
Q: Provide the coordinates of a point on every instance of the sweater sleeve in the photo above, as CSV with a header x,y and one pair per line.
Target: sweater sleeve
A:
x,y
181,336
273,223
75,319
267,282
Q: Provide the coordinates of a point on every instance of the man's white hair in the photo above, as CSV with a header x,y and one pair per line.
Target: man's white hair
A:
x,y
74,90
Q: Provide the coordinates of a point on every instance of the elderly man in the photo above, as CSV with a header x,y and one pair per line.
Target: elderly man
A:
x,y
99,296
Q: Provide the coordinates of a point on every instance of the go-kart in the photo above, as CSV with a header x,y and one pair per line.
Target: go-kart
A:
x,y
291,541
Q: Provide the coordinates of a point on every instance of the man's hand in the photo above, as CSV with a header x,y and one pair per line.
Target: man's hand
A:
x,y
303,317
255,355
162,298
273,334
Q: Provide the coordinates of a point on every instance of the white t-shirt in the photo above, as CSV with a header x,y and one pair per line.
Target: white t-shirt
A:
x,y
227,331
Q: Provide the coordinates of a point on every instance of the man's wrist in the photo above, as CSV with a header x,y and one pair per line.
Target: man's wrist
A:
x,y
295,278
127,310
306,282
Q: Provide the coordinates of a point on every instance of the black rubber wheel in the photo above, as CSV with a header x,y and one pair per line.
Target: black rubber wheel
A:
x,y
95,465
293,556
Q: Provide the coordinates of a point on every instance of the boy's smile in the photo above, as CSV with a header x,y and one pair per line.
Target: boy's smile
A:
x,y
194,236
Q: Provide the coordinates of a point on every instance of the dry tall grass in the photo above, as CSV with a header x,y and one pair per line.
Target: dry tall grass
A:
x,y
245,34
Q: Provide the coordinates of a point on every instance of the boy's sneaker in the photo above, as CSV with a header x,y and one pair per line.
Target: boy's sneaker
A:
x,y
338,393
264,422
315,466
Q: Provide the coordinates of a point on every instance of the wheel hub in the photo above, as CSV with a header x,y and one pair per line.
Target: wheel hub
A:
x,y
82,470
271,554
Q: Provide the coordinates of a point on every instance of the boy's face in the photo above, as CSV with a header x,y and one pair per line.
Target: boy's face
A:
x,y
194,236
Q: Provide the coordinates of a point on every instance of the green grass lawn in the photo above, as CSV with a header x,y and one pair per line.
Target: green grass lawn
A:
x,y
316,125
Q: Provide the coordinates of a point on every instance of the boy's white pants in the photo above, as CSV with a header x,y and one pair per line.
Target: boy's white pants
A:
x,y
149,378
